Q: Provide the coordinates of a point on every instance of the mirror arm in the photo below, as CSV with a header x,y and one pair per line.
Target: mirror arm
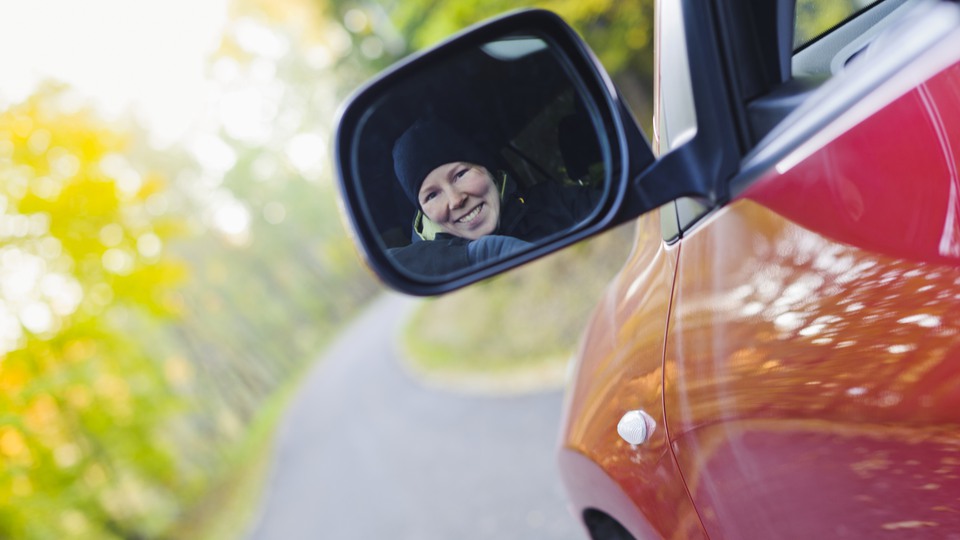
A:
x,y
679,173
701,167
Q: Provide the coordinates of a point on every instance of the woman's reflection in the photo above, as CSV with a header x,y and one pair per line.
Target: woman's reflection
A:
x,y
469,209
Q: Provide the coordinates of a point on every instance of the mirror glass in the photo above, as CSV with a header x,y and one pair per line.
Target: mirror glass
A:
x,y
477,156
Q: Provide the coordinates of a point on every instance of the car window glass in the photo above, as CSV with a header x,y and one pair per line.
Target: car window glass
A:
x,y
817,17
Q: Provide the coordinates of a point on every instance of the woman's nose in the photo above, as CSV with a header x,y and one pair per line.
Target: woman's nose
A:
x,y
457,199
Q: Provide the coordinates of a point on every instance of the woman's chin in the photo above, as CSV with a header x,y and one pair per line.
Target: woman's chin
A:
x,y
474,233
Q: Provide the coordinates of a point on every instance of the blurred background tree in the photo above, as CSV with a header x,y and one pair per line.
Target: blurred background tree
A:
x,y
620,33
814,17
159,302
83,401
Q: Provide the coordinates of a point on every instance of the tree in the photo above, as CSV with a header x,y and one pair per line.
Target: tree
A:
x,y
83,404
621,33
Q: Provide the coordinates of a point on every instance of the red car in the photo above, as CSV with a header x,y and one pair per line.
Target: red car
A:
x,y
780,355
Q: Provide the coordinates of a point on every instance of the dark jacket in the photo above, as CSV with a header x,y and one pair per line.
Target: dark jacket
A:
x,y
539,212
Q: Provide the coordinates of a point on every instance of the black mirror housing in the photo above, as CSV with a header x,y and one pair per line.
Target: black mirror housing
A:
x,y
526,90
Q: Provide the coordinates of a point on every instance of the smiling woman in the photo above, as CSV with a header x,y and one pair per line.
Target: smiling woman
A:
x,y
440,172
467,214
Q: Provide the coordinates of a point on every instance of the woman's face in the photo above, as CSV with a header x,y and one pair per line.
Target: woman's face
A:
x,y
462,199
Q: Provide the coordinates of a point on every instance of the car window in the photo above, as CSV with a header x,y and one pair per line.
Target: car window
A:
x,y
817,17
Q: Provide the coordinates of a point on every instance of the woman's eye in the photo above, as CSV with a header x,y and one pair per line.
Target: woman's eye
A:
x,y
429,196
460,174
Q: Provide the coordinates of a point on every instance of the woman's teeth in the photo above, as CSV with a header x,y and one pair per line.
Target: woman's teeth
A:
x,y
470,217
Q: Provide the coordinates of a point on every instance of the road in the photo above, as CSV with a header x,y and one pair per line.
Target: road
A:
x,y
365,452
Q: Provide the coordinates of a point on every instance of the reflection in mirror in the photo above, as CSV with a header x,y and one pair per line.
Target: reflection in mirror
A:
x,y
478,157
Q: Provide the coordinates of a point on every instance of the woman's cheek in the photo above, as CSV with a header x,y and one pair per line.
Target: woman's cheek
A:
x,y
435,213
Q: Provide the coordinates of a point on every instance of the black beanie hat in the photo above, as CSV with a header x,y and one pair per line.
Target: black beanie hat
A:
x,y
426,145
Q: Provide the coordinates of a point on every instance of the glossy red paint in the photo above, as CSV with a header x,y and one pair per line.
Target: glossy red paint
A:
x,y
812,361
891,184
621,370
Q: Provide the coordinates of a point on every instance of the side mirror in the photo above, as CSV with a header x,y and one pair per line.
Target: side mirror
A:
x,y
503,144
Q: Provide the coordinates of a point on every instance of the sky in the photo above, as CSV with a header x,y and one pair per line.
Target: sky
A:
x,y
143,56
154,60
148,58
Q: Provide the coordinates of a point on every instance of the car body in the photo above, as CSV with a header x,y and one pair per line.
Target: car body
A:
x,y
782,350
797,348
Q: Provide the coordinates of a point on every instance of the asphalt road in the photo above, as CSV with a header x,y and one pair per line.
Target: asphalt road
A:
x,y
366,452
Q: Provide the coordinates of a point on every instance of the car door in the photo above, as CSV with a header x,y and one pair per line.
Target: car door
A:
x,y
812,359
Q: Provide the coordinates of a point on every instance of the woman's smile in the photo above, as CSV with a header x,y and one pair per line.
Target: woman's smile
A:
x,y
471,215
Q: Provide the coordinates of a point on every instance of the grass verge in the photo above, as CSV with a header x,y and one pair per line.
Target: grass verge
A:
x,y
517,331
227,509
